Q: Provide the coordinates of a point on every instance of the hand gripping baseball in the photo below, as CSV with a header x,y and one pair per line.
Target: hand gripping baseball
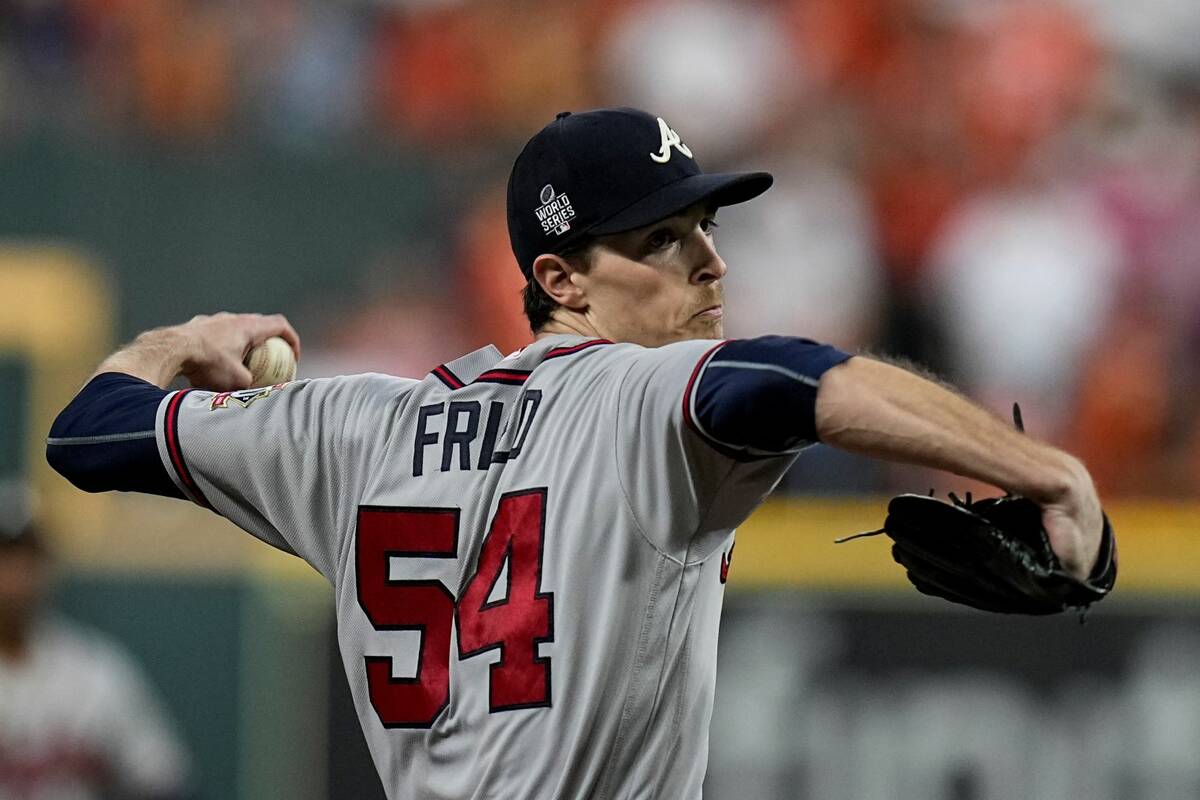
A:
x,y
215,347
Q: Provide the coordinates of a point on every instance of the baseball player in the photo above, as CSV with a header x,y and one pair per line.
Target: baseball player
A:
x,y
529,552
77,719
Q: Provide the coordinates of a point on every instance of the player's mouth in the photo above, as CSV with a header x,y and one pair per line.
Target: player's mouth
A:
x,y
712,312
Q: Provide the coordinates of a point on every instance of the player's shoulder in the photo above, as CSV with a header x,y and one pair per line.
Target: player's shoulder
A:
x,y
624,356
601,369
668,362
364,399
562,359
304,391
366,387
363,382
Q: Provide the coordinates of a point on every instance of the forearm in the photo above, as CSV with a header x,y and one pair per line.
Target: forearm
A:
x,y
870,407
157,356
208,350
106,438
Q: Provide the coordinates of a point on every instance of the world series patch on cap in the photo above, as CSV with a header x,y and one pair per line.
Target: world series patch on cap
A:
x,y
608,171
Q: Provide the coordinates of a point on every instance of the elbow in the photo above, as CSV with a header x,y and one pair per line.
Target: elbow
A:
x,y
74,464
76,446
86,480
104,439
834,411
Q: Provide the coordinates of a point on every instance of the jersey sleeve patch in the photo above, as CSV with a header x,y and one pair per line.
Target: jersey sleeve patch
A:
x,y
756,398
243,397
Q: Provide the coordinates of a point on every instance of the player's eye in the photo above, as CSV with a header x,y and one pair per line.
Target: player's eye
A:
x,y
708,225
660,239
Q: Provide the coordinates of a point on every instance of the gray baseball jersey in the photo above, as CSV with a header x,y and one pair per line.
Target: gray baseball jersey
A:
x,y
528,555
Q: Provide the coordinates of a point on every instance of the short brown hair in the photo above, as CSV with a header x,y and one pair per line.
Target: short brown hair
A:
x,y
539,306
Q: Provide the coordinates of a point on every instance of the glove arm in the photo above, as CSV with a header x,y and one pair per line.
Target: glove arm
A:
x,y
880,410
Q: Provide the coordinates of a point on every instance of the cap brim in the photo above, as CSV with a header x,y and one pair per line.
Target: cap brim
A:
x,y
721,188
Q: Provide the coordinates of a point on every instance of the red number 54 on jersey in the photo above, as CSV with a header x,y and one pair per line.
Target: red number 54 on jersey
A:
x,y
514,625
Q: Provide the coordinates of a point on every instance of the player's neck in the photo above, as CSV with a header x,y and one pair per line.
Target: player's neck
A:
x,y
569,323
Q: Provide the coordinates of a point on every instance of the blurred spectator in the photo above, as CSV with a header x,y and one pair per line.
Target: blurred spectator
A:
x,y
1135,410
916,156
77,718
719,90
962,183
38,73
1021,71
1023,279
1145,139
847,43
182,61
427,68
464,72
535,56
802,259
398,324
1161,34
303,67
1119,427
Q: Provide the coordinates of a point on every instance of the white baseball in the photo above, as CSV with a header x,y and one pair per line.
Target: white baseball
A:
x,y
270,363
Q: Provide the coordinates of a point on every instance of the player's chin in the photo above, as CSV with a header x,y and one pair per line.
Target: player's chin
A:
x,y
704,327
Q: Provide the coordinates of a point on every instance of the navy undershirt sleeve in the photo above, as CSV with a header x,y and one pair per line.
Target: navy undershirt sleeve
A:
x,y
757,397
104,439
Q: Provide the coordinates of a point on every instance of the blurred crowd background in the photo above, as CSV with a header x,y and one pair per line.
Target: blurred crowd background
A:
x,y
1007,192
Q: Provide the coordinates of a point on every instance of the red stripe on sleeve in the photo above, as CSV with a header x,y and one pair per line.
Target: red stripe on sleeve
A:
x,y
176,452
687,392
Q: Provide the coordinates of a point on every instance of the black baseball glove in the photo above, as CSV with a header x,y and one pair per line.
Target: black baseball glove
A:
x,y
991,554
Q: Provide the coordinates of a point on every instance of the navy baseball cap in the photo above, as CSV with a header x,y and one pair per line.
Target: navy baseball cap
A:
x,y
607,171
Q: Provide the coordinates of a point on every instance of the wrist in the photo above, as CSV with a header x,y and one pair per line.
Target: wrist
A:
x,y
156,356
182,348
169,351
1063,478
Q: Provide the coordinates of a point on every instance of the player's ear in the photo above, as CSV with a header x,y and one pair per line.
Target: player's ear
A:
x,y
554,274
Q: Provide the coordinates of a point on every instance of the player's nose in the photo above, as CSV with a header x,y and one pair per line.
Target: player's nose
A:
x,y
709,264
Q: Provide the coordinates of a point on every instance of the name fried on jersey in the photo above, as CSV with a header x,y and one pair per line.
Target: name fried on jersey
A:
x,y
462,434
